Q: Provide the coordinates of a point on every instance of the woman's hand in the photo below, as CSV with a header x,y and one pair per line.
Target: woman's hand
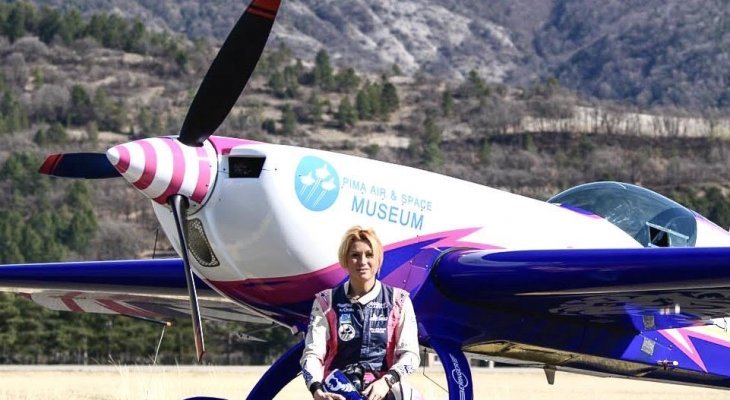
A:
x,y
377,390
322,395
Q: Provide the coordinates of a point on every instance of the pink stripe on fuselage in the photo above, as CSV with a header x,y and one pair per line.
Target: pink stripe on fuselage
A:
x,y
178,171
223,145
150,166
298,288
290,289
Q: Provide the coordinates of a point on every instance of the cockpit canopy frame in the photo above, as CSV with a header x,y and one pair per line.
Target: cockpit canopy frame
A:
x,y
650,218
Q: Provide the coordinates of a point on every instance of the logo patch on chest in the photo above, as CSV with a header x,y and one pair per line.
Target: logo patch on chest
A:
x,y
346,332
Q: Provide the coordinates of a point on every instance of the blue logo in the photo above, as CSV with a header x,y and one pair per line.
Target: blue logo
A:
x,y
316,183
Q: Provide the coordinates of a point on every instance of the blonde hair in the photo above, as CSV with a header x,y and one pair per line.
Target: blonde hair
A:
x,y
357,233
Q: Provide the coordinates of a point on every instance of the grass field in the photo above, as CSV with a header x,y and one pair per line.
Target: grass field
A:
x,y
126,383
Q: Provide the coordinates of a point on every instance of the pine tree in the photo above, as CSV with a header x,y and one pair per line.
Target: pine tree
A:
x,y
288,121
362,103
323,76
72,26
82,110
347,80
346,114
80,225
476,86
277,85
390,101
314,106
432,141
49,24
57,134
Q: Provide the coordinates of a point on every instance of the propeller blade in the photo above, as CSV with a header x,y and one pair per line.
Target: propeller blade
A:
x,y
79,165
179,205
229,73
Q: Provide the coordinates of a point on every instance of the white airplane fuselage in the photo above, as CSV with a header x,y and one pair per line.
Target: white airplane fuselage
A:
x,y
268,234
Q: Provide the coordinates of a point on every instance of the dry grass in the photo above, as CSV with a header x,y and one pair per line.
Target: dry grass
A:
x,y
126,383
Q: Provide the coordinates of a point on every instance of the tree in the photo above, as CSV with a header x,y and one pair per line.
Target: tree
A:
x,y
288,121
13,114
110,116
314,106
50,103
57,134
82,225
390,101
432,140
20,170
49,24
11,230
347,80
72,26
323,70
41,234
363,106
291,81
8,331
15,23
475,86
346,113
276,84
81,111
269,125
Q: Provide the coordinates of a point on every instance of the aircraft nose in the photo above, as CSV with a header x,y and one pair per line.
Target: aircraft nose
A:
x,y
161,167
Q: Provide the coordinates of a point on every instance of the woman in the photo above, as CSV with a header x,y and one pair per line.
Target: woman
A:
x,y
362,322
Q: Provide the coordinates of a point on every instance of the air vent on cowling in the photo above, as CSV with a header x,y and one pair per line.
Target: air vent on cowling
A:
x,y
245,167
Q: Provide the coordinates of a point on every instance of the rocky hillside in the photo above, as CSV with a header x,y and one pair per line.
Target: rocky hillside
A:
x,y
657,52
88,84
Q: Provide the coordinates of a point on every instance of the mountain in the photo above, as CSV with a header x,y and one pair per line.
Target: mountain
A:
x,y
654,52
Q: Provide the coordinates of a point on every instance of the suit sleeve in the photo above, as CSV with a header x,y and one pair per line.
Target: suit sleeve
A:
x,y
315,346
407,354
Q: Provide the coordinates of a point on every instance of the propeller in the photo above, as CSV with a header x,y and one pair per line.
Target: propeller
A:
x,y
217,94
181,172
229,73
221,87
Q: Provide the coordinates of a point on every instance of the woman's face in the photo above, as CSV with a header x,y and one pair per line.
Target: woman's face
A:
x,y
361,262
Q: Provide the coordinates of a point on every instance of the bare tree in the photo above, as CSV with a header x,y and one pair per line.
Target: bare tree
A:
x,y
15,70
50,103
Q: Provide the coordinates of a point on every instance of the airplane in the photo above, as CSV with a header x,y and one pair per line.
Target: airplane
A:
x,y
605,278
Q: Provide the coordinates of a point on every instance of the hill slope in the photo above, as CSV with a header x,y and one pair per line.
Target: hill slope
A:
x,y
654,52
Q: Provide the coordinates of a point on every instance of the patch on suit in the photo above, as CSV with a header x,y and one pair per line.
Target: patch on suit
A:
x,y
346,332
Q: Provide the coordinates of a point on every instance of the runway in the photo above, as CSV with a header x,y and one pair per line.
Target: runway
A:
x,y
176,383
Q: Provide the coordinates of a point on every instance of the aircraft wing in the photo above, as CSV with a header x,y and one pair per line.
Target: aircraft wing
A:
x,y
146,289
644,289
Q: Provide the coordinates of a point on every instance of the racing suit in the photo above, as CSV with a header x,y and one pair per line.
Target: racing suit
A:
x,y
378,330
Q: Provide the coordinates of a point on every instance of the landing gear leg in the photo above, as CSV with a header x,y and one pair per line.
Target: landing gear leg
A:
x,y
456,366
279,374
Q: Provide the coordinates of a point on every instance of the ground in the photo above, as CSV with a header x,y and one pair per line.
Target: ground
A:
x,y
177,383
